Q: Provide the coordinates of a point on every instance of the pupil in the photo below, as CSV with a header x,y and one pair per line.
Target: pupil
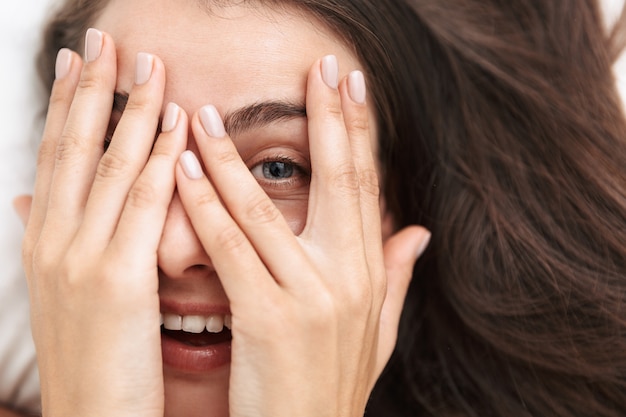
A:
x,y
277,170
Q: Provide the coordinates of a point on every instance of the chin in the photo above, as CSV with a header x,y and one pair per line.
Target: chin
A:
x,y
196,395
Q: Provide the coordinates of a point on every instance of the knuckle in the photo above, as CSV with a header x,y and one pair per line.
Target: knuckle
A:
x,y
142,195
369,182
70,146
93,80
89,82
262,210
345,179
60,96
111,165
136,106
359,124
42,258
226,158
324,311
206,198
47,151
230,239
333,110
358,296
379,292
28,253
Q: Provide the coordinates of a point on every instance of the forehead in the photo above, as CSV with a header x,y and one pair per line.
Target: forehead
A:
x,y
229,56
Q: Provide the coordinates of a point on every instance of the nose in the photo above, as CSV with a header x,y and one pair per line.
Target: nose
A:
x,y
180,253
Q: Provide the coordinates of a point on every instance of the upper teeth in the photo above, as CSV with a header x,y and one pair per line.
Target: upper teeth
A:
x,y
214,323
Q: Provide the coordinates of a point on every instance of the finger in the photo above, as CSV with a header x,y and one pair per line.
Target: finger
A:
x,y
361,139
401,251
128,151
143,218
237,264
356,115
334,180
246,201
22,205
81,143
67,72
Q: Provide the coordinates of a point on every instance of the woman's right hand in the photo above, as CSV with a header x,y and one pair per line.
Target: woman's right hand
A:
x,y
92,236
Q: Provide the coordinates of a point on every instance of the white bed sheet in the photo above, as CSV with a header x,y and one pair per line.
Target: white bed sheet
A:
x,y
20,28
19,35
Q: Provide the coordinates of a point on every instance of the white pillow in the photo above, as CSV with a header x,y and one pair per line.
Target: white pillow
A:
x,y
20,28
20,32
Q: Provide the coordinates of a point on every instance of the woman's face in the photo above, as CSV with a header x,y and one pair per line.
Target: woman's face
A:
x,y
251,62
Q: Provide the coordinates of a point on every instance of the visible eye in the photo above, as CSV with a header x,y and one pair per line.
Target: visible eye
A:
x,y
274,170
280,172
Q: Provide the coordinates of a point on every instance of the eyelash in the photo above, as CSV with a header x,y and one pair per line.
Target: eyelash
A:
x,y
300,172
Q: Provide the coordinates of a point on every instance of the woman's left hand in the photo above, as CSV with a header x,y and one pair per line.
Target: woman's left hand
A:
x,y
315,316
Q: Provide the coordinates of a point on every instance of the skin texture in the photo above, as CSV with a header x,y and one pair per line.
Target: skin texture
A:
x,y
111,238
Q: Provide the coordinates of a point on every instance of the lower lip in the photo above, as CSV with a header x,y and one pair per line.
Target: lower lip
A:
x,y
194,359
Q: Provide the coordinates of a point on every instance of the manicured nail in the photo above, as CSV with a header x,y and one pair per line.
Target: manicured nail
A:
x,y
424,244
170,117
93,44
330,71
212,122
191,165
143,69
63,64
356,87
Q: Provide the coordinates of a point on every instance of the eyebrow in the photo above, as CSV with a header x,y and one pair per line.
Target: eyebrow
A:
x,y
244,118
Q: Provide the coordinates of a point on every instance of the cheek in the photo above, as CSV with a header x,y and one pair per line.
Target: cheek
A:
x,y
294,211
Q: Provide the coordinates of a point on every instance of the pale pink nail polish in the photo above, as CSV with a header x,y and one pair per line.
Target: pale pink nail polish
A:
x,y
330,71
143,70
356,87
93,44
191,165
63,63
424,244
212,122
170,117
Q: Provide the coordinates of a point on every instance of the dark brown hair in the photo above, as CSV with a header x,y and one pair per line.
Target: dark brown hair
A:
x,y
501,130
519,309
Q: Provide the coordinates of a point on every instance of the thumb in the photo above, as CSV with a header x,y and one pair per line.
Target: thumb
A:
x,y
22,205
400,252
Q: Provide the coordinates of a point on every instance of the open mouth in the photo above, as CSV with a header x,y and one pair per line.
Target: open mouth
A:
x,y
195,330
205,338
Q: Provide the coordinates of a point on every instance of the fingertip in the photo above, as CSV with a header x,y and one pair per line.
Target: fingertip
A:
x,y
171,117
356,87
407,245
422,241
191,165
212,121
329,70
22,205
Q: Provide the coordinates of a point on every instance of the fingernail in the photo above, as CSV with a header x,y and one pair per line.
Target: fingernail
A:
x,y
93,44
143,69
212,122
63,63
170,117
191,165
330,71
356,87
423,244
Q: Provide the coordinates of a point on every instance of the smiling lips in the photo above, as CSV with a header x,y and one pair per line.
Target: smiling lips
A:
x,y
195,343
